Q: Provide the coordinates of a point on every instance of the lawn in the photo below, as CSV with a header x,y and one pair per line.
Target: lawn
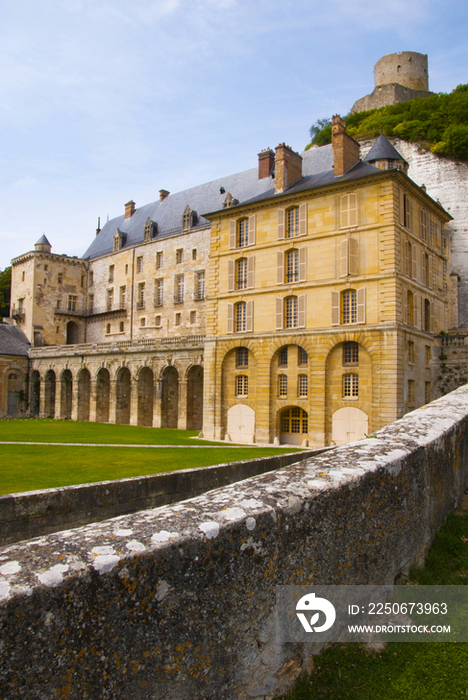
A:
x,y
31,467
410,671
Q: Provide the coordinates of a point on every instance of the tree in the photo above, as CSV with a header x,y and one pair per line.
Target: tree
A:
x,y
5,290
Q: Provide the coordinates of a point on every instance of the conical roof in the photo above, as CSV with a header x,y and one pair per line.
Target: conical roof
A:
x,y
383,150
43,240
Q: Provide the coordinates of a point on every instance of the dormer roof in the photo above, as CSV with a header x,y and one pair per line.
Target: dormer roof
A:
x,y
383,150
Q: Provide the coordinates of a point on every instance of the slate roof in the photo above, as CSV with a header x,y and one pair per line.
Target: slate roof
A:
x,y
13,341
383,150
243,186
43,240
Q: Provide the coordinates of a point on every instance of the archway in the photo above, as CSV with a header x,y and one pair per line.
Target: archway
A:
x,y
241,424
294,425
195,398
49,408
84,383
145,397
66,394
72,333
102,396
170,398
35,393
15,389
348,425
123,389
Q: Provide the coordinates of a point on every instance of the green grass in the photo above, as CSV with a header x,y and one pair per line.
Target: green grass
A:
x,y
31,467
401,671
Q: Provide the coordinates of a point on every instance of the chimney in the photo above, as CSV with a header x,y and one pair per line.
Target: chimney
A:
x,y
345,149
98,230
288,168
163,194
266,163
129,209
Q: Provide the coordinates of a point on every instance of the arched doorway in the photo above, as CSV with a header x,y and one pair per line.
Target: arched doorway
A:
x,y
241,424
170,398
16,398
84,383
66,394
123,388
49,408
35,393
72,333
195,398
294,425
145,396
102,396
348,425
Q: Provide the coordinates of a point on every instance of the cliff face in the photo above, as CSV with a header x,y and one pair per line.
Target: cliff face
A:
x,y
447,181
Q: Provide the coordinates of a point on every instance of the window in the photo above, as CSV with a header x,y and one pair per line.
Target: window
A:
x,y
282,386
21,306
348,210
302,386
292,266
427,354
350,386
290,312
194,253
410,351
294,420
57,329
350,353
193,317
242,385
241,316
121,326
410,307
200,285
283,357
82,280
123,297
427,392
142,322
427,315
179,289
140,264
111,273
187,218
60,277
348,257
24,275
423,225
91,279
407,213
411,392
179,256
292,222
409,259
349,306
108,328
46,267
148,230
158,292
426,270
71,302
302,357
141,296
110,299
243,233
126,269
178,319
91,303
242,357
157,321
241,273
57,305
159,260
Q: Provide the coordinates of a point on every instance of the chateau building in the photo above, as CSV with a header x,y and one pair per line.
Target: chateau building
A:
x,y
296,303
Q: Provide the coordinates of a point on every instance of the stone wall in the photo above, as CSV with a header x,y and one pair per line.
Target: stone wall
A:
x,y
178,602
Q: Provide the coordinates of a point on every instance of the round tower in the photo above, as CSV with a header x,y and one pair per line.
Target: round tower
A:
x,y
43,245
406,68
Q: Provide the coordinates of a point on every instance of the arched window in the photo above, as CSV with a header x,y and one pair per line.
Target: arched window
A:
x,y
294,420
292,222
349,306
291,316
350,386
240,316
242,385
242,233
292,266
241,273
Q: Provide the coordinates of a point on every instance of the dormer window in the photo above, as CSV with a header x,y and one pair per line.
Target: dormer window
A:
x,y
119,240
188,218
149,230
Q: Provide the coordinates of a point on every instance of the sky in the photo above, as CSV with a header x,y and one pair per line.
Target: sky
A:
x,y
103,101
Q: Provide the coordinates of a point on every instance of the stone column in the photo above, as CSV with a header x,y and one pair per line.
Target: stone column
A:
x,y
133,401
92,400
157,397
42,398
182,406
112,401
74,399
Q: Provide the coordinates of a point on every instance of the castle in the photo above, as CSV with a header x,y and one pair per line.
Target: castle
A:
x,y
293,303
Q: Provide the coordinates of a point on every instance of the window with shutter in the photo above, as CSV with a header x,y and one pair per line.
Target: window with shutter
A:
x,y
416,314
251,233
402,208
232,234
292,266
404,305
291,312
302,264
278,313
408,206
348,210
249,317
230,318
361,305
251,272
303,219
241,273
302,311
292,229
410,308
240,316
231,275
279,267
353,256
344,256
242,233
414,253
281,213
335,308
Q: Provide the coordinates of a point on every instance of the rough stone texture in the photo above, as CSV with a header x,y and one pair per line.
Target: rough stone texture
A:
x,y
384,95
178,602
26,515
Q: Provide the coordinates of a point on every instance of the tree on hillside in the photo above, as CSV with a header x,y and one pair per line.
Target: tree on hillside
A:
x,y
5,287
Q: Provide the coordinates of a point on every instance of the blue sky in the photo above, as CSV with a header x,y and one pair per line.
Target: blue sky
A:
x,y
103,101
